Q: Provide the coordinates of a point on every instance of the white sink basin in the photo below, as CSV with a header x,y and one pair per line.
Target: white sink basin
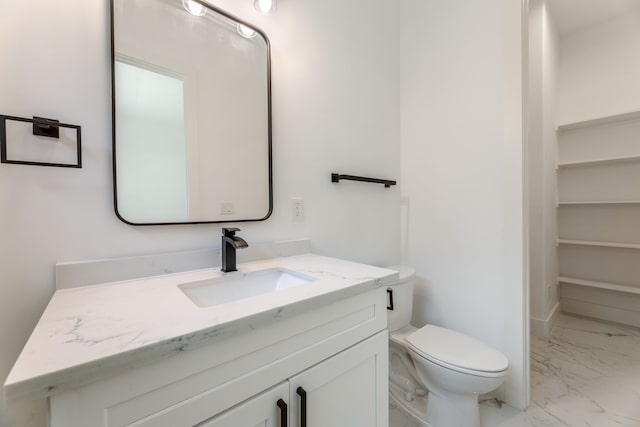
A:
x,y
238,285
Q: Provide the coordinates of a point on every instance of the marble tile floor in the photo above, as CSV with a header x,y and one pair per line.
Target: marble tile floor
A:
x,y
586,374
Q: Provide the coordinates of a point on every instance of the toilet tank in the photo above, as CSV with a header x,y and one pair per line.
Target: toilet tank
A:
x,y
401,292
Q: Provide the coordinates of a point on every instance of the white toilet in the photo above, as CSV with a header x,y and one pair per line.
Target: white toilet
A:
x,y
436,374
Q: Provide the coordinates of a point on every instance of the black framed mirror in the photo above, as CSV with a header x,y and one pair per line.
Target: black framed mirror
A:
x,y
191,114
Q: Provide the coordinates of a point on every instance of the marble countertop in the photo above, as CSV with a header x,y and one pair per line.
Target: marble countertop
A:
x,y
89,332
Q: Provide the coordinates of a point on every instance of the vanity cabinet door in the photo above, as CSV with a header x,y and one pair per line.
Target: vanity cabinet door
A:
x,y
349,389
268,409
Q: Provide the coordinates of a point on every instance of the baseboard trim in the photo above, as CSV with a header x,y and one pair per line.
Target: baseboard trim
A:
x,y
604,304
618,315
542,327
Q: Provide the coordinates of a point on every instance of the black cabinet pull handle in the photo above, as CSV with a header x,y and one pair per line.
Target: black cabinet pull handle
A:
x,y
303,406
390,295
283,412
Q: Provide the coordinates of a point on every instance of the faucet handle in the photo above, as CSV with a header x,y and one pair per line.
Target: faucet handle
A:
x,y
229,231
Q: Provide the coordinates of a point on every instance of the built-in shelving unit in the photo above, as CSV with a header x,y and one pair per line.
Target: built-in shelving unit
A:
x,y
599,244
598,215
599,285
594,162
600,121
601,202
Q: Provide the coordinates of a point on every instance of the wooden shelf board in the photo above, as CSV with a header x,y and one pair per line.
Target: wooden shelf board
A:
x,y
599,161
599,285
600,202
599,121
599,244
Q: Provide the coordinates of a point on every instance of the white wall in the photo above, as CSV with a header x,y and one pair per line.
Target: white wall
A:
x,y
550,66
534,160
599,70
462,170
335,98
542,149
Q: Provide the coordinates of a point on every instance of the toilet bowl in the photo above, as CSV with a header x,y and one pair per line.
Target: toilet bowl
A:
x,y
451,368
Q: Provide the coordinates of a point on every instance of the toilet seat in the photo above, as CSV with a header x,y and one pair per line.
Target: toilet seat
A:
x,y
456,351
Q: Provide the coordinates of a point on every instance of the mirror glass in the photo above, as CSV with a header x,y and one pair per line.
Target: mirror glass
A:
x,y
191,114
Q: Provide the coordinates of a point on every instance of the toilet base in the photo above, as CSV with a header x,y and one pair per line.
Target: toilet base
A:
x,y
415,409
453,410
437,411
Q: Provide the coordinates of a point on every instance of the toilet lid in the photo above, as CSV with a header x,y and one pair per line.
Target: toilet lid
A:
x,y
454,349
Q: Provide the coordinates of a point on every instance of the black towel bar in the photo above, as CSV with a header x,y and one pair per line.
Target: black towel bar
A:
x,y
336,177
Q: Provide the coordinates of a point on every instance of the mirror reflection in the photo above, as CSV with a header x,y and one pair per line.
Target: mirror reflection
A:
x,y
191,114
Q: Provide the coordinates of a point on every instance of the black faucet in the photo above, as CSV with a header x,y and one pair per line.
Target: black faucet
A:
x,y
231,242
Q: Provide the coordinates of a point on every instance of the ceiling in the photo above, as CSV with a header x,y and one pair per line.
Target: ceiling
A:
x,y
571,15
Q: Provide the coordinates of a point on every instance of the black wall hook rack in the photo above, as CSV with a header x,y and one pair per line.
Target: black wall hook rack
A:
x,y
336,177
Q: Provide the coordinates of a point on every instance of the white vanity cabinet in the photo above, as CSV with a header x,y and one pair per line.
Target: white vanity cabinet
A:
x,y
335,353
343,391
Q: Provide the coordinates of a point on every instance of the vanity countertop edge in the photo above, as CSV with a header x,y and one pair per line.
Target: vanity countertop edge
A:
x,y
89,333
